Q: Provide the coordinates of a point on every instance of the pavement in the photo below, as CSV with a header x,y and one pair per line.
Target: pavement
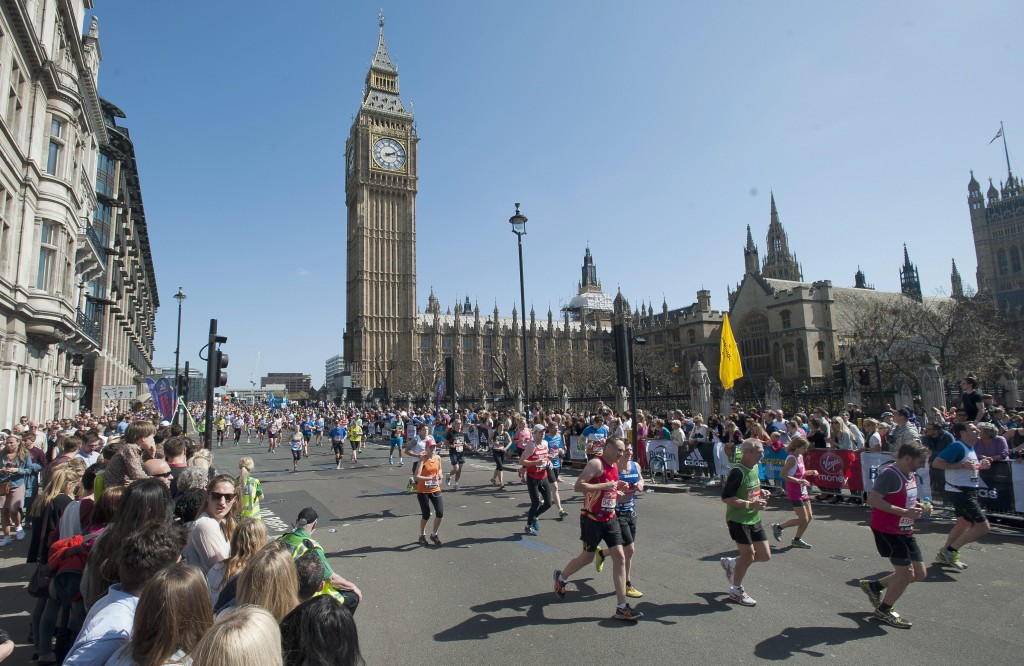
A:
x,y
485,595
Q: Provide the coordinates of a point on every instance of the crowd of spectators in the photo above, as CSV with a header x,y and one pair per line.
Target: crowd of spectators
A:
x,y
140,555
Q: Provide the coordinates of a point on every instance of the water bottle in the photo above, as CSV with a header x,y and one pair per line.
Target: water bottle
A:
x,y
974,473
926,512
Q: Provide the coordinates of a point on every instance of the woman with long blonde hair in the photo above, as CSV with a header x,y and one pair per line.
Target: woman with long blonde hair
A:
x,y
250,536
244,636
269,581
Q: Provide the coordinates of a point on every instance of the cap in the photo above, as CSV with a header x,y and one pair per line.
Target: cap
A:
x,y
884,414
539,428
905,413
430,441
165,423
307,516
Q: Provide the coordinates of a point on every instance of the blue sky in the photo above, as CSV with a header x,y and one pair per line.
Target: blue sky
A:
x,y
652,130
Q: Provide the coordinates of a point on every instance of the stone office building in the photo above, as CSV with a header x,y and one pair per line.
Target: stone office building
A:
x,y
77,289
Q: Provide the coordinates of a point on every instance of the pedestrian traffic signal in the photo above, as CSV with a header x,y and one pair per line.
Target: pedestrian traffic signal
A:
x,y
221,362
839,372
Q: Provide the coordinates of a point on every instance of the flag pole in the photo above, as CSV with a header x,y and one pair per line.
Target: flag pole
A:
x,y
1005,149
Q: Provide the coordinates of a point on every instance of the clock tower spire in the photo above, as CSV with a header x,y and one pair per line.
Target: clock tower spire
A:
x,y
380,197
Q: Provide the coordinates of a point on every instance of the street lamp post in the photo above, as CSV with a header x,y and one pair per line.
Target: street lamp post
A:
x,y
180,296
518,222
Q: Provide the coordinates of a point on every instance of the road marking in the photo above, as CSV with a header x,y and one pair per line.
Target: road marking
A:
x,y
273,522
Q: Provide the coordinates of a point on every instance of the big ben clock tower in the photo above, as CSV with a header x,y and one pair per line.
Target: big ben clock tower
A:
x,y
380,195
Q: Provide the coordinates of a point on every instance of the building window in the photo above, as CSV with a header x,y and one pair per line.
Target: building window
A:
x,y
505,343
541,344
106,175
446,342
675,335
786,323
788,353
467,344
101,222
56,152
691,337
424,342
1015,259
820,347
15,95
6,210
659,338
47,256
487,343
1004,266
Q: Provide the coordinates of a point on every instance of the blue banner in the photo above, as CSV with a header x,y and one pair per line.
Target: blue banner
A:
x,y
771,464
162,393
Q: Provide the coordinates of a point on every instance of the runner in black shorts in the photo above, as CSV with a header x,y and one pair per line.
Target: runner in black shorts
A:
x,y
962,465
599,480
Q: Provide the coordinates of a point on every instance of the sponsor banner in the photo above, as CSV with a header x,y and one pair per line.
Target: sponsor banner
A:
x,y
834,469
473,436
771,464
997,492
1017,474
699,459
577,448
671,452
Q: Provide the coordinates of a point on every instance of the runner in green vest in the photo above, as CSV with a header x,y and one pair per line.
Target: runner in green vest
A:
x,y
744,497
300,541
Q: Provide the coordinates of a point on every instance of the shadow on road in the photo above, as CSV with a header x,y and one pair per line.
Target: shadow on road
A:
x,y
799,640
525,612
714,602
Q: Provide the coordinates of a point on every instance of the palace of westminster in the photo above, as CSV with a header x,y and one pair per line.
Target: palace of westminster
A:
x,y
786,328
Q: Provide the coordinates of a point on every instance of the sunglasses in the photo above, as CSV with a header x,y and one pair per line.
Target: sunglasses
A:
x,y
162,476
223,496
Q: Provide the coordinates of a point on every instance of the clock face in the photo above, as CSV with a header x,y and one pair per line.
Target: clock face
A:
x,y
389,154
351,159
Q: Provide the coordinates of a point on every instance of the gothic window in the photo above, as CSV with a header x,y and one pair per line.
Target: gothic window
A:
x,y
675,335
752,339
801,356
691,336
487,343
1004,266
467,344
541,344
424,342
777,357
590,345
446,342
505,343
777,244
820,348
659,338
788,353
786,323
1015,259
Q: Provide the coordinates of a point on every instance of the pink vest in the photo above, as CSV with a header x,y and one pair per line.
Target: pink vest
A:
x,y
905,497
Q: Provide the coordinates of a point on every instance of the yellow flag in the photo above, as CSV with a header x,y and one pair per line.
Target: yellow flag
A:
x,y
729,367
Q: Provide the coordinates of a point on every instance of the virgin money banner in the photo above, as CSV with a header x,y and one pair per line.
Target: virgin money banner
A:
x,y
671,452
834,468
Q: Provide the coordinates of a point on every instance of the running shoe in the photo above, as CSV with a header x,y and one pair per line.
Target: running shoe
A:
x,y
892,618
423,539
338,467
448,481
875,597
740,596
5,541
401,463
391,460
729,565
530,530
410,487
633,592
627,614
559,584
599,560
562,514
436,539
950,559
458,487
19,533
800,543
776,531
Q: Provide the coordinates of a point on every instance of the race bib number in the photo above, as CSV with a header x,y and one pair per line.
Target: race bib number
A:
x,y
433,483
608,500
458,448
338,438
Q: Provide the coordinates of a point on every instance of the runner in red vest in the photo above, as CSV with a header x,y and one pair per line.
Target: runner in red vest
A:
x,y
599,480
894,507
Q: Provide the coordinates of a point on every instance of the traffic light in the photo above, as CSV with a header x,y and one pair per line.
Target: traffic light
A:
x,y
864,376
839,372
220,377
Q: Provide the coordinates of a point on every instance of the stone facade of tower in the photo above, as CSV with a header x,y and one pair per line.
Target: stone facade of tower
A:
x,y
998,227
380,194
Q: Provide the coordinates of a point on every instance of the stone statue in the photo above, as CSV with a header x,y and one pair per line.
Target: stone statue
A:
x,y
700,390
929,376
773,395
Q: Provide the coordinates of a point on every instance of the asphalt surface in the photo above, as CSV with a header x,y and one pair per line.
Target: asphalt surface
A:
x,y
485,595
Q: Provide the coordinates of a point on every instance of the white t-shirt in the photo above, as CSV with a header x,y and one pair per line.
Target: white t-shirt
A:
x,y
206,543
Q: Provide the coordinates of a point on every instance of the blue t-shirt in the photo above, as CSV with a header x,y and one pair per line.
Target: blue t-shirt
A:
x,y
338,434
554,450
307,427
627,502
954,453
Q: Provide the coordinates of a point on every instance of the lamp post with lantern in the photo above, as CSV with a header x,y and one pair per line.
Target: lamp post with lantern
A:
x,y
518,222
180,296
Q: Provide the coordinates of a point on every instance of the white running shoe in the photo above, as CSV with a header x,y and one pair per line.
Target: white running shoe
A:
x,y
20,533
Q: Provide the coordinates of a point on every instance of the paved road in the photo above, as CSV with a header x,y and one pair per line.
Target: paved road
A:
x,y
485,595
